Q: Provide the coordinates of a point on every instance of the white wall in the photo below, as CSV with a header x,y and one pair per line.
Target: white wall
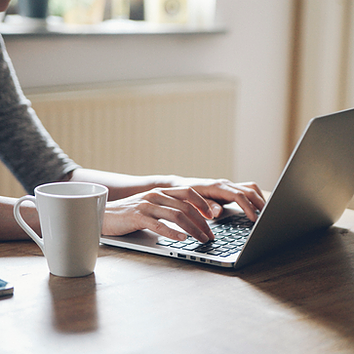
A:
x,y
255,50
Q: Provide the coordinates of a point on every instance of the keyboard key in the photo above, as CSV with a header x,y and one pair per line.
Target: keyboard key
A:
x,y
219,236
189,241
230,247
223,249
221,243
236,237
177,245
165,242
203,249
226,233
215,245
214,253
191,247
217,229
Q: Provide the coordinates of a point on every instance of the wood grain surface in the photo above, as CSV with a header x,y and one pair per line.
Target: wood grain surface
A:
x,y
299,301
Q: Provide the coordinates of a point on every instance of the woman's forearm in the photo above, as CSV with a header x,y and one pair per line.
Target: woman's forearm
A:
x,y
121,185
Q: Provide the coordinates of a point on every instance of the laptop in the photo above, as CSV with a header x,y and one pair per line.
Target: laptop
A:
x,y
311,194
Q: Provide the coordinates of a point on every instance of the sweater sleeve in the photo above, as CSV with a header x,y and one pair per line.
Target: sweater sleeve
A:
x,y
26,148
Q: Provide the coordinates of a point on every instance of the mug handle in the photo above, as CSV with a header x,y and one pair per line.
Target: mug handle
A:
x,y
18,217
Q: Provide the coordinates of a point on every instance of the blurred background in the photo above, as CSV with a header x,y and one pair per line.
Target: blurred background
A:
x,y
225,93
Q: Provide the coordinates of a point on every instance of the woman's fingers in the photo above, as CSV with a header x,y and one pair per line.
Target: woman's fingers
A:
x,y
186,206
181,206
193,227
247,195
178,195
250,198
215,207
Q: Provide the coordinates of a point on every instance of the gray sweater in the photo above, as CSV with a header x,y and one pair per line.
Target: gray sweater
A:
x,y
26,148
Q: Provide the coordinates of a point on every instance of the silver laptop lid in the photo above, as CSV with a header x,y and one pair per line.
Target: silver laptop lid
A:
x,y
314,188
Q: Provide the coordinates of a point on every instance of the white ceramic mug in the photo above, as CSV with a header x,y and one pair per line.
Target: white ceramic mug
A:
x,y
71,217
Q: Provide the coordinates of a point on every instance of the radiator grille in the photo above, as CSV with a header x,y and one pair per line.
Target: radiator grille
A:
x,y
177,126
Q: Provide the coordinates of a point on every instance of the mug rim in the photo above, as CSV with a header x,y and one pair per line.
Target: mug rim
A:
x,y
38,189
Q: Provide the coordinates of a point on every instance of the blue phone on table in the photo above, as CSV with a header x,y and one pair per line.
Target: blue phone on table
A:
x,y
6,289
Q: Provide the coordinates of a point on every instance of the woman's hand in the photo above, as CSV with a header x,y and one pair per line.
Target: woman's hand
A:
x,y
217,192
181,205
222,191
187,206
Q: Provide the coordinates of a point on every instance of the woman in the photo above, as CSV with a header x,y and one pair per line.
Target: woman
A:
x,y
135,202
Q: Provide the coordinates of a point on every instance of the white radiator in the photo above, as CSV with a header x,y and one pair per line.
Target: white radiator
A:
x,y
176,126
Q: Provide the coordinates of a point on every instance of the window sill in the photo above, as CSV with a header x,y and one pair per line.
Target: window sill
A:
x,y
17,27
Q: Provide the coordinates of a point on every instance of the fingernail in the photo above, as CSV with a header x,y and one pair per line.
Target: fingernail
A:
x,y
182,237
203,238
216,210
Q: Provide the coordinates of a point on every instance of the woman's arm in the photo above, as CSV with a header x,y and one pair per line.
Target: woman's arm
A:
x,y
120,185
216,191
138,202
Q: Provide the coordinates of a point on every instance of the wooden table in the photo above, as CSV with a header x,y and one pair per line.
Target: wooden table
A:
x,y
301,301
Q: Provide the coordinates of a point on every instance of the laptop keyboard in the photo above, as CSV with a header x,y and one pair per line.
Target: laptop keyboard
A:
x,y
231,233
